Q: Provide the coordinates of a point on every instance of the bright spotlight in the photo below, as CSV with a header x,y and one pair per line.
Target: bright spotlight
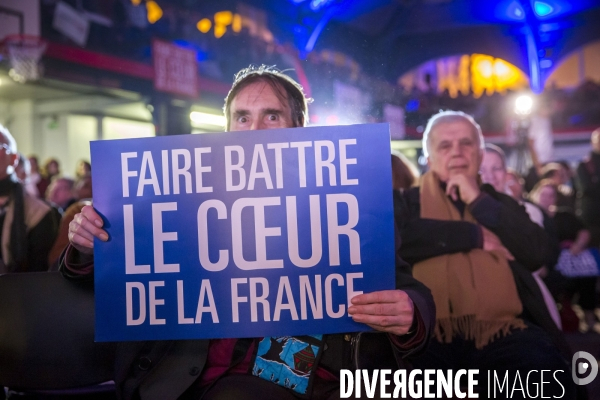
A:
x,y
523,105
207,119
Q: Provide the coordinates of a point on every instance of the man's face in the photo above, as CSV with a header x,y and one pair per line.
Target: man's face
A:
x,y
453,150
257,107
8,159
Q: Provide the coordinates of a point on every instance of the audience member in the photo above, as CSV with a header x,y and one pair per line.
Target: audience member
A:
x,y
23,171
559,175
576,270
404,173
543,195
28,225
83,169
61,193
568,179
588,178
261,98
50,170
493,171
515,184
35,176
475,248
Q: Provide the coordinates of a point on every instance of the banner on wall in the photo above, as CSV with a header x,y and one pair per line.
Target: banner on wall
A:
x,y
241,234
175,69
71,23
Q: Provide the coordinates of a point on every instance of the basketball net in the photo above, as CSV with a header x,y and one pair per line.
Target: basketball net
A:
x,y
24,54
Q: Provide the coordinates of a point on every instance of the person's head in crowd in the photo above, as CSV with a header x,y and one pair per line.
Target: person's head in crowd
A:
x,y
60,192
493,167
82,169
554,172
566,172
35,165
453,144
23,168
515,184
595,139
51,167
83,188
9,157
265,98
544,195
404,173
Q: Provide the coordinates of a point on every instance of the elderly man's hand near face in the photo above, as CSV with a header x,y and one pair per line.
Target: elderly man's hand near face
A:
x,y
389,311
467,188
463,186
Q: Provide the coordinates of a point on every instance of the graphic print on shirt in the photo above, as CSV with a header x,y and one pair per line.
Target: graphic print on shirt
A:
x,y
287,360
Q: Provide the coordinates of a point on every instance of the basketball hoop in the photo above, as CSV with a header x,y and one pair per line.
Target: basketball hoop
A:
x,y
24,54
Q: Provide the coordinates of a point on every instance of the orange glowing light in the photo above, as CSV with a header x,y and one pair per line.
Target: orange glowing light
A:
x,y
222,20
154,12
486,68
204,25
236,24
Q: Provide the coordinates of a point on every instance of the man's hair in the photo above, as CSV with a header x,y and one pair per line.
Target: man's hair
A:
x,y
492,148
284,87
12,143
444,117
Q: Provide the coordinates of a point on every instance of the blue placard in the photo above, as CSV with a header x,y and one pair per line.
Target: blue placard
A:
x,y
241,234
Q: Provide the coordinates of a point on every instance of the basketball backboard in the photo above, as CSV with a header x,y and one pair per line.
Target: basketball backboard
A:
x,y
19,17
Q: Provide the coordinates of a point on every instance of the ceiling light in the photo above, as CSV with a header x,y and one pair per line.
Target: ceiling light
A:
x,y
523,105
542,9
207,119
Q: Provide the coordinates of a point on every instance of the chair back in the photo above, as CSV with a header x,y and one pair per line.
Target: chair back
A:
x,y
47,334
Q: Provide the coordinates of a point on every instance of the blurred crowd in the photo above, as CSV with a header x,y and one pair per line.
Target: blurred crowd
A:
x,y
37,203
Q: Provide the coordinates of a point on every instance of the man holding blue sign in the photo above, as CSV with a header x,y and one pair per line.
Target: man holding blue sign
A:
x,y
261,98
